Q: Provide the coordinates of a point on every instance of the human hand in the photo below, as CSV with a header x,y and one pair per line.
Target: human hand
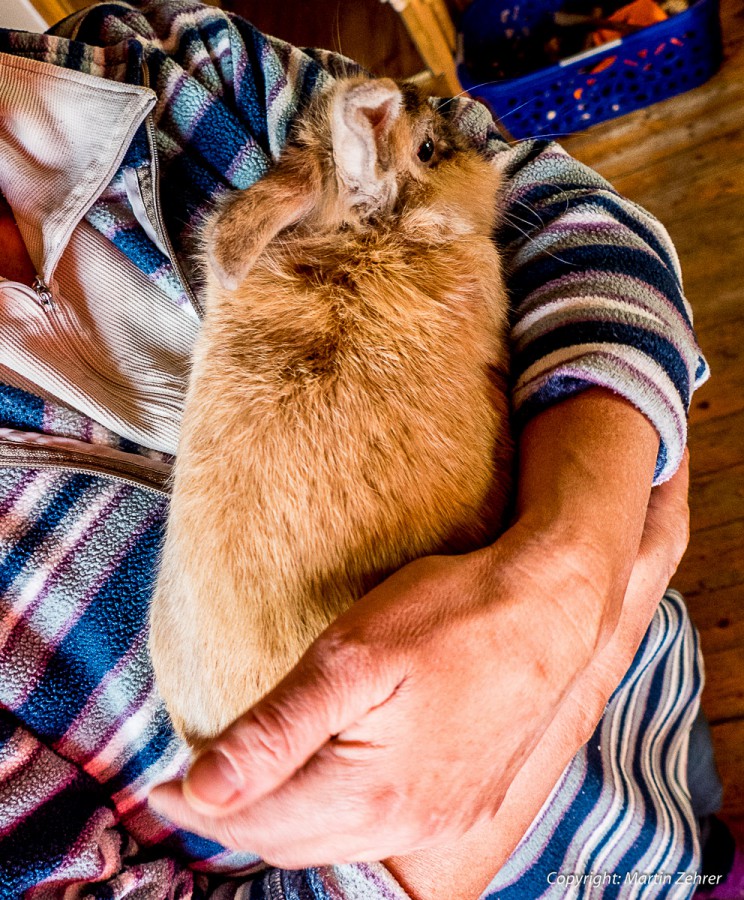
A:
x,y
406,721
472,862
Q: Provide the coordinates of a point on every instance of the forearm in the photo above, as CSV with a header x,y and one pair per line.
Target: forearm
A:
x,y
585,474
586,467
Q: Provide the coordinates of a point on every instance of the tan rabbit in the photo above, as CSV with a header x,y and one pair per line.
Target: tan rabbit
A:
x,y
346,411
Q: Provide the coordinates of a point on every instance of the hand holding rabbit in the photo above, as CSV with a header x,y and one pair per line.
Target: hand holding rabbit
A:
x,y
408,720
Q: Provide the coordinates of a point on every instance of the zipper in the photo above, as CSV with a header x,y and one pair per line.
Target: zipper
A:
x,y
43,293
276,891
39,291
155,166
38,451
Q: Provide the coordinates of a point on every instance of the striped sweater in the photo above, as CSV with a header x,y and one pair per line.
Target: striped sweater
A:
x,y
594,280
596,299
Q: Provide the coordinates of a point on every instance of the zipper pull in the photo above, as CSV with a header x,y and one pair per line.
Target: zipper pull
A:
x,y
43,293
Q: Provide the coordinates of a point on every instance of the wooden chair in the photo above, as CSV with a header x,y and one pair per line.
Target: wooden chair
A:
x,y
429,24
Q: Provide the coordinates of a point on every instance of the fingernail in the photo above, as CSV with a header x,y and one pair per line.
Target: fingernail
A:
x,y
213,778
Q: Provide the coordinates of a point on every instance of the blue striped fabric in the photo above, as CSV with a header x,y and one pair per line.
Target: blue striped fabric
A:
x,y
616,818
19,409
84,731
227,98
77,561
597,299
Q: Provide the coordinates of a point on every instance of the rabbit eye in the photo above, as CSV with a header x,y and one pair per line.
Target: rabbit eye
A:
x,y
426,150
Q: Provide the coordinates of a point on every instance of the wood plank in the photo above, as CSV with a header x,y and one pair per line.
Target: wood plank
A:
x,y
717,300
714,560
719,617
728,739
717,498
723,394
701,237
716,443
724,687
707,176
432,44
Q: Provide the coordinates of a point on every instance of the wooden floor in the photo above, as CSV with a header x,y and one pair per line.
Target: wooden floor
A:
x,y
684,161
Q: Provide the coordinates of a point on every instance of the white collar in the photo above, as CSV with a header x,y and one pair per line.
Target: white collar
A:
x,y
63,135
114,346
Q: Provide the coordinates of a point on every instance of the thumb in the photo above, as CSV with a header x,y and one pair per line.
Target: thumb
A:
x,y
334,684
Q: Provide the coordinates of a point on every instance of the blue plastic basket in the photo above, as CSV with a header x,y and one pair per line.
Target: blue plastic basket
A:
x,y
655,63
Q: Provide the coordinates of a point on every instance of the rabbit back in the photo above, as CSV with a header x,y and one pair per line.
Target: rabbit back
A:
x,y
346,410
346,415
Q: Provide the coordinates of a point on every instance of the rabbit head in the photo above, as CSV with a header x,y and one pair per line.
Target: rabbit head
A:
x,y
367,153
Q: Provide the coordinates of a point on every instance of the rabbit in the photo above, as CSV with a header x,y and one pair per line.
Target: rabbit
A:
x,y
347,410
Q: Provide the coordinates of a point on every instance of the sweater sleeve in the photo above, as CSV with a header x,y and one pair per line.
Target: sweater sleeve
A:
x,y
596,293
594,285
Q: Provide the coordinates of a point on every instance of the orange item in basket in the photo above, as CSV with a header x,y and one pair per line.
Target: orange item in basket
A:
x,y
641,13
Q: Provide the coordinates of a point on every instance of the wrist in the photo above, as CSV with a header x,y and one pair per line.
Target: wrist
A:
x,y
590,563
585,474
576,590
548,583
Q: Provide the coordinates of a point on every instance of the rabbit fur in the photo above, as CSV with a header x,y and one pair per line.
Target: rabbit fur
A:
x,y
346,410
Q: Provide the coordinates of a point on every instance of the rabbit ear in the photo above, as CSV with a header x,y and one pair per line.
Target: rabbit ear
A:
x,y
248,220
363,117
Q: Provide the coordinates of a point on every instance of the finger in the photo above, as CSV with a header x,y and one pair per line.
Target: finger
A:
x,y
668,510
316,831
329,813
169,801
333,686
